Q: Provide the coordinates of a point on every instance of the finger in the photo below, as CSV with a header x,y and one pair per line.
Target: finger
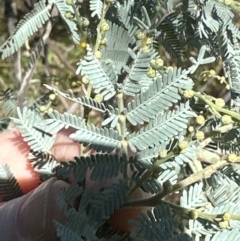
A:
x,y
64,148
31,216
14,152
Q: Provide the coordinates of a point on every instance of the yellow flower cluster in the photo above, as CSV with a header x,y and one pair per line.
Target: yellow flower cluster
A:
x,y
200,135
183,144
226,119
232,157
200,120
188,93
220,102
151,72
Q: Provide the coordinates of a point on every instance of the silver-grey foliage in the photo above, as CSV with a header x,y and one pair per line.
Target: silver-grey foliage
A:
x,y
144,116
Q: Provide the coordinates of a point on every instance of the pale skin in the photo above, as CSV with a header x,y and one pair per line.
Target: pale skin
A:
x,y
15,224
14,152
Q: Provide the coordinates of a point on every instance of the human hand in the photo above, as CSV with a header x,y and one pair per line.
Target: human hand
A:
x,y
30,217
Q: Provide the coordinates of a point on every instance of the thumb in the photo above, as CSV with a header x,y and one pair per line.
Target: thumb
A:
x,y
30,217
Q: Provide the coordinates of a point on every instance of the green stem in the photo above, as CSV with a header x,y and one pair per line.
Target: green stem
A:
x,y
79,21
149,173
144,177
235,6
87,109
233,114
99,32
156,199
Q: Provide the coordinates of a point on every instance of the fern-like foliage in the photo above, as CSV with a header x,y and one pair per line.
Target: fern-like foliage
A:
x,y
43,163
96,6
43,100
108,200
102,167
147,138
91,67
100,139
9,187
63,9
26,28
104,139
116,49
163,226
169,37
89,102
161,129
138,70
82,224
194,197
59,121
8,102
26,122
161,95
125,16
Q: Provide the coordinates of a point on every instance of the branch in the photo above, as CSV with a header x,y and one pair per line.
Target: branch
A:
x,y
60,55
231,113
26,80
156,199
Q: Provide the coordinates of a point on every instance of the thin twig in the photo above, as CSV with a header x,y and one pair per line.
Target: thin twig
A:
x,y
26,80
60,55
17,55
156,199
217,108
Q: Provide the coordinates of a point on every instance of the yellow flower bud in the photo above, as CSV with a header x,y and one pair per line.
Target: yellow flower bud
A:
x,y
200,135
232,157
223,224
163,154
140,35
98,98
193,214
212,72
52,97
226,216
50,110
98,54
86,22
148,41
69,2
183,151
74,83
145,49
69,15
104,41
220,102
200,120
83,44
159,62
188,93
151,72
223,79
226,119
228,2
85,79
105,26
183,144
43,108
190,129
